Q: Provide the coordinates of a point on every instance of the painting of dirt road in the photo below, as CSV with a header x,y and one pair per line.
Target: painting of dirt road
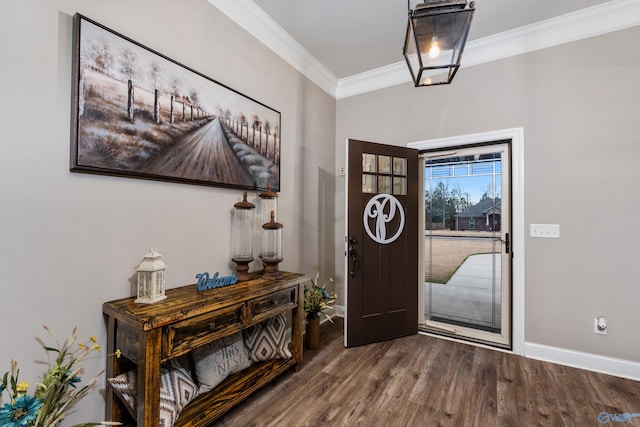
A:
x,y
140,114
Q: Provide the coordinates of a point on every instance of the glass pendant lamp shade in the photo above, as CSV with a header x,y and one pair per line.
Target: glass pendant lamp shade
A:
x,y
437,31
242,236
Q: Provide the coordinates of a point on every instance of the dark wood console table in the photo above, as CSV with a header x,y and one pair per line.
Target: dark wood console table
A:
x,y
151,334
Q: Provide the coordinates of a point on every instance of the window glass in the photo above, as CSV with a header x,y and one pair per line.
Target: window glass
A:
x,y
482,168
399,166
441,170
399,185
384,164
384,184
368,183
461,170
368,162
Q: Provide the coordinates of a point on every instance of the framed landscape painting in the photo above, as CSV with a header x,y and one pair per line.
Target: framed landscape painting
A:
x,y
139,114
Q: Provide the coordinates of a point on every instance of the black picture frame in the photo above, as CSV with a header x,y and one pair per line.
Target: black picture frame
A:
x,y
139,114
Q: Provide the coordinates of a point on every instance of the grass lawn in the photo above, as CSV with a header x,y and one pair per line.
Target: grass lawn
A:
x,y
443,257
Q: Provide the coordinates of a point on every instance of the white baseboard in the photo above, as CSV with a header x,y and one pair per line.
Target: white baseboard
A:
x,y
589,361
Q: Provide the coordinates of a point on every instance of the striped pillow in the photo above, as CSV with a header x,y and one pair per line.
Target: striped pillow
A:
x,y
177,389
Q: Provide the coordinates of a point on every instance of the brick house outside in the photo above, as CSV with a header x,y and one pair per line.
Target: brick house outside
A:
x,y
483,216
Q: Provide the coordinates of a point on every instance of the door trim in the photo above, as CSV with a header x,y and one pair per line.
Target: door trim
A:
x,y
516,135
345,242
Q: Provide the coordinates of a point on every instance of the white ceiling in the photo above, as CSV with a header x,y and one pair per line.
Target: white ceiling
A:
x,y
352,46
352,36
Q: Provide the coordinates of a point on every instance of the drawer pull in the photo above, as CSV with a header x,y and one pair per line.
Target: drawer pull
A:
x,y
212,325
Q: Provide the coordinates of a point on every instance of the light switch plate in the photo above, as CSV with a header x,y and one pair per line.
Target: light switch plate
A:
x,y
549,231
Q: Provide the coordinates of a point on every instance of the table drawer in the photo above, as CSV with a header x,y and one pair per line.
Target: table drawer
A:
x,y
182,337
277,302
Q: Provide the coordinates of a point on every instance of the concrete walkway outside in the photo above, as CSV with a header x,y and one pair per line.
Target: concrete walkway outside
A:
x,y
471,295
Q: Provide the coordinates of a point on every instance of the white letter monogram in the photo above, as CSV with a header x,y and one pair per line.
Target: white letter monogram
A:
x,y
383,208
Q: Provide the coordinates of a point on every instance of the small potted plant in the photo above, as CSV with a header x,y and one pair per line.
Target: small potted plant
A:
x,y
317,300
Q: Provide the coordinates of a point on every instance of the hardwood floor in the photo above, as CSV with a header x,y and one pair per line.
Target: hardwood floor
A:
x,y
426,381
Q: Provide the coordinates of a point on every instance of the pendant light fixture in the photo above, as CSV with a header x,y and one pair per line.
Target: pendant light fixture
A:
x,y
437,31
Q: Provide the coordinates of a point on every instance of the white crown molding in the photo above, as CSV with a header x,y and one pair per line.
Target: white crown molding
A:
x,y
593,21
378,78
577,359
249,16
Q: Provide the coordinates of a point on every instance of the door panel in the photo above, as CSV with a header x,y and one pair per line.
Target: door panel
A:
x,y
467,262
382,243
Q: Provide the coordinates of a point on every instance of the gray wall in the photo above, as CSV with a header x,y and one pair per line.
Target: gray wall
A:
x,y
69,242
578,105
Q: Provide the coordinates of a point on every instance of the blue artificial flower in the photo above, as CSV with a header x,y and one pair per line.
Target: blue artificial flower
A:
x,y
20,414
73,380
325,294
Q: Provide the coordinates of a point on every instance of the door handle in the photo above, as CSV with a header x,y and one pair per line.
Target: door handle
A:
x,y
354,257
506,243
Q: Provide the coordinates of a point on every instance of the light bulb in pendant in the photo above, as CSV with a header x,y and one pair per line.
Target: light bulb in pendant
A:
x,y
434,51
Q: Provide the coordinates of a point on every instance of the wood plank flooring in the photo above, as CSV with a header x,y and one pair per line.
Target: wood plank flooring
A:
x,y
426,381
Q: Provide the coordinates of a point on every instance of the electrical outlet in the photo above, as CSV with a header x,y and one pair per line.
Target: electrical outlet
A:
x,y
600,325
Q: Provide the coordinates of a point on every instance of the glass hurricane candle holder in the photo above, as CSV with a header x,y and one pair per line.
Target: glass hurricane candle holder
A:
x,y
269,202
242,237
271,254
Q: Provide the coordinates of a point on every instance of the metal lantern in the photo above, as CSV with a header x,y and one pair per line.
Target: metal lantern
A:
x,y
436,34
271,248
269,202
242,237
151,282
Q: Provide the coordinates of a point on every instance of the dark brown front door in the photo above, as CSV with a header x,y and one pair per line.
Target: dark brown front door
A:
x,y
382,243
